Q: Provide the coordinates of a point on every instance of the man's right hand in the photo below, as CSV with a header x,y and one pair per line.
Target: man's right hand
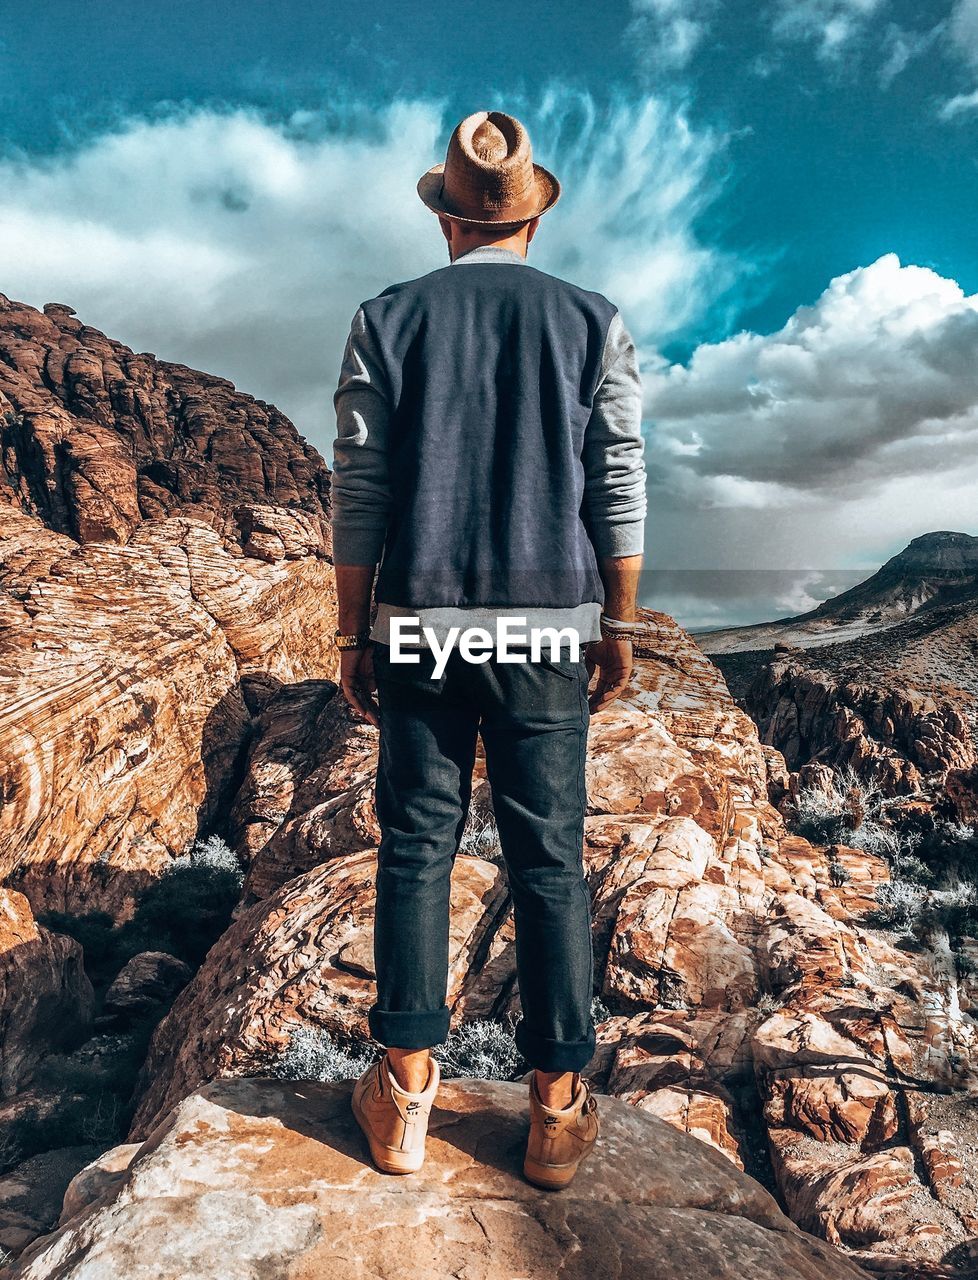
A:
x,y
613,661
358,683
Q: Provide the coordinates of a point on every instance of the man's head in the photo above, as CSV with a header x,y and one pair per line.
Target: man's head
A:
x,y
489,190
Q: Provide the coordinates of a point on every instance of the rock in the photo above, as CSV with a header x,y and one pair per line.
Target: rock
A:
x,y
46,1000
865,1200
102,1175
253,1177
166,661
120,680
307,795
893,735
684,1066
31,1195
149,979
95,439
163,540
302,957
746,1002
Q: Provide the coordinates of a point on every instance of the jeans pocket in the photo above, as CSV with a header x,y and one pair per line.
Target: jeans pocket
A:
x,y
569,668
401,672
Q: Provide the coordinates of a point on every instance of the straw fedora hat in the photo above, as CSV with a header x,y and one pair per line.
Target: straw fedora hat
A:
x,y
489,177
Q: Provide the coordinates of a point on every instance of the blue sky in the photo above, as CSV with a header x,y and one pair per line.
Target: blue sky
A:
x,y
780,195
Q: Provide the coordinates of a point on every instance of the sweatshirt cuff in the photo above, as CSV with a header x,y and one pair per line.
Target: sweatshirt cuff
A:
x,y
620,539
357,546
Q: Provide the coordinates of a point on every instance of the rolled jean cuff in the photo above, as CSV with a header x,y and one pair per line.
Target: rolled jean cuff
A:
x,y
409,1028
554,1055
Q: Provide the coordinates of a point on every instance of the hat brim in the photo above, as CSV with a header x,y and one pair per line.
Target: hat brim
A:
x,y
430,191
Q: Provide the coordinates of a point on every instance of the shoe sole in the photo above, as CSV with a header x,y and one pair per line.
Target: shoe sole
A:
x,y
387,1159
552,1177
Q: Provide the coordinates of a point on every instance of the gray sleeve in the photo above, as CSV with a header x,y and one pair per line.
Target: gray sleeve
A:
x,y
360,488
614,451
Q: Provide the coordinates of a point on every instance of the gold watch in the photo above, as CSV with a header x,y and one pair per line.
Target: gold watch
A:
x,y
357,640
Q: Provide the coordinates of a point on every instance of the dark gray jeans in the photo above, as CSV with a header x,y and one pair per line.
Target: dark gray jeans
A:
x,y
533,719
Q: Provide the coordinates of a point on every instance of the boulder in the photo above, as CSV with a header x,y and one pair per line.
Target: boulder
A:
x,y
248,1179
148,980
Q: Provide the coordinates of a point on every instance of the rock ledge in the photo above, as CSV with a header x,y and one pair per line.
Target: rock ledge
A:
x,y
254,1178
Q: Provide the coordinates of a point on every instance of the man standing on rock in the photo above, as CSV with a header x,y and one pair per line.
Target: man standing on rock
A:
x,y
489,457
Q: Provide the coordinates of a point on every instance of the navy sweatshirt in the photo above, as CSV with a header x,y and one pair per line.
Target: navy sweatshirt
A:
x,y
495,477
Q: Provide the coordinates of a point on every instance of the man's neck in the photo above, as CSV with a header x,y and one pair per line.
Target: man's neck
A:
x,y
515,244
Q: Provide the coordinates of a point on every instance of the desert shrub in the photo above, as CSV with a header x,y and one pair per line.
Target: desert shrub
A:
x,y
898,905
312,1054
950,849
925,912
480,838
599,1011
954,910
852,812
184,911
106,1063
94,1084
34,1130
481,1050
189,906
838,874
913,869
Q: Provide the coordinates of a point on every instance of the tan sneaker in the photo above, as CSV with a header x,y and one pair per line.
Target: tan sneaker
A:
x,y
559,1139
394,1121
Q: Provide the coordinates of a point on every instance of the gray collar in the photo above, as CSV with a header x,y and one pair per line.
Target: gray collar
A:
x,y
489,253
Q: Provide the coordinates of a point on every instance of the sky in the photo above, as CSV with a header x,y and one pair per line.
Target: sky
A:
x,y
779,196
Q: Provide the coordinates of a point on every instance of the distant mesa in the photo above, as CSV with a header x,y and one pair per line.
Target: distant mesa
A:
x,y
933,571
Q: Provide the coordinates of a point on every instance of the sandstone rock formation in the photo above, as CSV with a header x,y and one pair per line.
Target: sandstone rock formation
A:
x,y
901,738
45,997
881,679
164,546
252,1178
166,668
32,1195
933,572
741,983
147,980
95,438
121,688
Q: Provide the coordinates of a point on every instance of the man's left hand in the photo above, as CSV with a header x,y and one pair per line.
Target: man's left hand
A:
x,y
613,660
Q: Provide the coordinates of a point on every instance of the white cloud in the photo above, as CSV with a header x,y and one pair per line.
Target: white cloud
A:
x,y
668,32
830,24
854,426
961,104
963,29
901,45
242,246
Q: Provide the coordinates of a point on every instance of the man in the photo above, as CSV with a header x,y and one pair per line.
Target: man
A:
x,y
489,457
